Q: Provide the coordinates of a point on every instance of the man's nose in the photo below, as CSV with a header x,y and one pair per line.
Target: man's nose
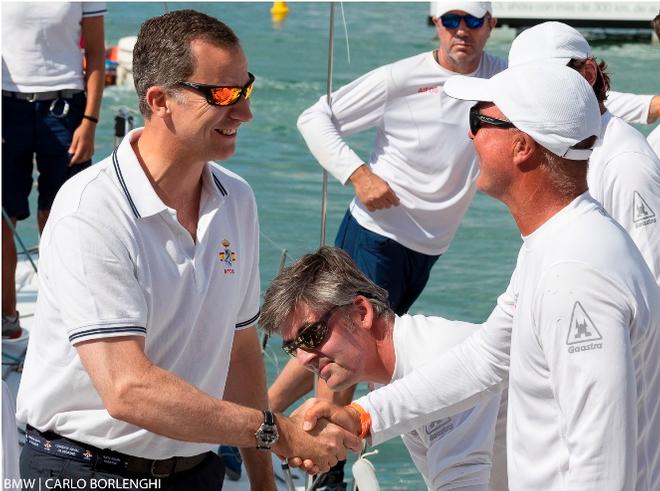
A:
x,y
241,110
305,358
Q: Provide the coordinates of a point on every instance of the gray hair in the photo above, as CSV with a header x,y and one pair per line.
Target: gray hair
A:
x,y
162,54
568,177
322,280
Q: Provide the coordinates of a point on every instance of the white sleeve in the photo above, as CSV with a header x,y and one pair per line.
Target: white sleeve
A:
x,y
456,381
93,9
632,108
355,107
249,311
632,197
593,381
93,278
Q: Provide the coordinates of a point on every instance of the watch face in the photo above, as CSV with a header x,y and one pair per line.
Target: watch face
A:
x,y
267,433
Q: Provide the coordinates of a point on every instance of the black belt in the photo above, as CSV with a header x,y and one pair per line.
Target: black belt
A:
x,y
42,96
54,444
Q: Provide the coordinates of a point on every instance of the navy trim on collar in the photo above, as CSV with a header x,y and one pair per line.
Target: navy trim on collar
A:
x,y
219,185
249,321
120,177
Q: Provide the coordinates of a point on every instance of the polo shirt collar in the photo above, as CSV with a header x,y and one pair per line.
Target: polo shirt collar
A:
x,y
139,193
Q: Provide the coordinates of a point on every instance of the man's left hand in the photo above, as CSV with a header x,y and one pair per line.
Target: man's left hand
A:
x,y
82,143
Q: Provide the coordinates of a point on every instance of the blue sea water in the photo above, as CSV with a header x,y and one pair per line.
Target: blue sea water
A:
x,y
290,63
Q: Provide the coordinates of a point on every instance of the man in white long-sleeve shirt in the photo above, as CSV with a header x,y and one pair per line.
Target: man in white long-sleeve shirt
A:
x,y
337,323
576,332
413,191
624,171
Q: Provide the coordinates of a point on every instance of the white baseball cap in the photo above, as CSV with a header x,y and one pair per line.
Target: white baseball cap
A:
x,y
549,41
550,102
477,9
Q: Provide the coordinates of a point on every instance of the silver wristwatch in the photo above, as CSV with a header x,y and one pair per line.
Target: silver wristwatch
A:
x,y
267,433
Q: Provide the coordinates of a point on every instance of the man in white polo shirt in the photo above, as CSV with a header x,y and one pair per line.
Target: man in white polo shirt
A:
x,y
149,291
577,331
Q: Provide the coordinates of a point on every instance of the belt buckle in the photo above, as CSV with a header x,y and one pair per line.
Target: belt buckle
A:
x,y
53,107
158,475
33,97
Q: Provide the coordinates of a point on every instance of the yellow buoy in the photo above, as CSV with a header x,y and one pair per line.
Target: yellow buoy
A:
x,y
279,11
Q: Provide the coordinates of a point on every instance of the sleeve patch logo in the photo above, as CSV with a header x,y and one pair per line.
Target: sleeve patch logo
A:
x,y
227,256
582,333
643,214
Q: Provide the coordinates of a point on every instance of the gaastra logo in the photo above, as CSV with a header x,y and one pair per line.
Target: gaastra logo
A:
x,y
582,334
227,256
642,212
87,455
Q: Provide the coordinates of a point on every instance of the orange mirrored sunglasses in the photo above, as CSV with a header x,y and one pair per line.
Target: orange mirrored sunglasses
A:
x,y
220,95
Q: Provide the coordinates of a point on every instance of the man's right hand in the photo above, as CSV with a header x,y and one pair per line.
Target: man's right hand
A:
x,y
316,450
372,190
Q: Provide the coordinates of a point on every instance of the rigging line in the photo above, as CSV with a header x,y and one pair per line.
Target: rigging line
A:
x,y
343,20
272,242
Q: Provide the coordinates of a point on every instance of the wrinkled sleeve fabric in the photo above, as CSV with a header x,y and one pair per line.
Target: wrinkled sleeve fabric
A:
x,y
458,380
356,107
632,108
594,388
632,196
94,282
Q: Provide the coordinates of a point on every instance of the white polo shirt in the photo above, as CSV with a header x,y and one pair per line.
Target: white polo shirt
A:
x,y
41,44
116,262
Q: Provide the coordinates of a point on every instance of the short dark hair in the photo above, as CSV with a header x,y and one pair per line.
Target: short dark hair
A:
x,y
655,23
602,84
162,54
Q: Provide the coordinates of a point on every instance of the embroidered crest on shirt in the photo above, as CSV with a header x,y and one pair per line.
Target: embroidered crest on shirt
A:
x,y
582,333
643,214
227,256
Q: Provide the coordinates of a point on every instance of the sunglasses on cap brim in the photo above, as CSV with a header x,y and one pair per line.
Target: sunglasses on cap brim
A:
x,y
222,95
477,120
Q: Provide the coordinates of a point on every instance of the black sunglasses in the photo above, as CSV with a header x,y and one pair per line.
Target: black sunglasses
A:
x,y
477,119
452,21
311,336
221,95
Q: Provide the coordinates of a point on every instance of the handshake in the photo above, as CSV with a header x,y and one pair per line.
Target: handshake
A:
x,y
318,435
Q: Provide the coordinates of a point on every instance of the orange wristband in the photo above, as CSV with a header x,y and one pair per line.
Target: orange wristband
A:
x,y
365,420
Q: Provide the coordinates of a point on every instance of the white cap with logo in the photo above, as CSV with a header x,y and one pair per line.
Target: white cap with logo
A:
x,y
549,41
477,9
552,103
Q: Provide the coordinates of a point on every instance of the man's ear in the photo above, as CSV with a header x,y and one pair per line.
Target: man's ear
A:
x,y
157,100
524,148
365,310
590,71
